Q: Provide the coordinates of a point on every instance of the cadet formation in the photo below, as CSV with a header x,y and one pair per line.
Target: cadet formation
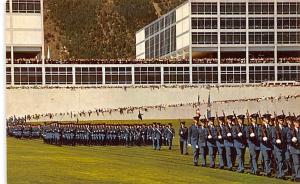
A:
x,y
273,141
59,134
275,138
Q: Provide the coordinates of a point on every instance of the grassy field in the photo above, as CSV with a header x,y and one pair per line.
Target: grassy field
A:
x,y
32,161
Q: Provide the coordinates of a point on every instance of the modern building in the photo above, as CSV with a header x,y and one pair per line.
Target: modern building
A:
x,y
228,41
211,41
24,38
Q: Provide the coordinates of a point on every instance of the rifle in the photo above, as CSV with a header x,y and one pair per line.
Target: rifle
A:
x,y
249,123
277,126
264,128
224,116
206,124
236,123
219,127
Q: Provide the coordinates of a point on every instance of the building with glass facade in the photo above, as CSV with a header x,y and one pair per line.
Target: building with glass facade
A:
x,y
213,42
235,41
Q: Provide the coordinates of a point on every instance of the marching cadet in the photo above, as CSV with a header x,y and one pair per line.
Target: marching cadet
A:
x,y
170,134
253,142
211,141
239,142
153,136
293,139
202,143
183,137
220,142
279,140
228,142
144,134
265,139
288,156
158,136
193,138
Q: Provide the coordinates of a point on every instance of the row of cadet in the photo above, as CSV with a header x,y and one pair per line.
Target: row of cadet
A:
x,y
274,139
155,134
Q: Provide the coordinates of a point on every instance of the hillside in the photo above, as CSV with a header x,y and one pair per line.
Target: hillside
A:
x,y
98,28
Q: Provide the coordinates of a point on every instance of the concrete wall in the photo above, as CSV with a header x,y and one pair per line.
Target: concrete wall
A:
x,y
31,101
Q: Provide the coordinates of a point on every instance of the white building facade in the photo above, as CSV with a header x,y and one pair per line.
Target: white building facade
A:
x,y
235,41
24,38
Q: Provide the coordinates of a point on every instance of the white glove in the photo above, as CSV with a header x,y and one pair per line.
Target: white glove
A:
x,y
252,135
220,137
209,137
181,132
278,141
294,139
197,146
228,134
265,138
240,134
189,145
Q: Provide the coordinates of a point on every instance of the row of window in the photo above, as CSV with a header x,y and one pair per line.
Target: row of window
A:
x,y
152,75
240,8
240,38
161,44
160,24
240,23
24,6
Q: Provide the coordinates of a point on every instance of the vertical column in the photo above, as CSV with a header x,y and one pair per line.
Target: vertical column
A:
x,y
275,42
43,45
73,75
161,75
219,41
247,43
103,75
190,45
12,69
132,75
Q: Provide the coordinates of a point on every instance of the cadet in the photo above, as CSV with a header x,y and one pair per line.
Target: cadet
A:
x,y
294,147
279,140
170,134
183,137
193,138
265,139
228,143
158,136
253,142
211,141
202,143
239,135
220,142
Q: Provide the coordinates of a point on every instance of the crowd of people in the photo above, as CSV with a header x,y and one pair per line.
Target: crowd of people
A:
x,y
72,134
129,110
289,60
261,60
275,138
154,61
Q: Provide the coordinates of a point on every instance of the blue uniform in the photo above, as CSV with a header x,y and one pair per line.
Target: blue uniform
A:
x,y
229,146
279,148
254,146
202,144
212,145
294,148
193,139
240,143
220,146
266,146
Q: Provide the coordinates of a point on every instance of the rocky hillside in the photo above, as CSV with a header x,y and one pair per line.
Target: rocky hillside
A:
x,y
98,28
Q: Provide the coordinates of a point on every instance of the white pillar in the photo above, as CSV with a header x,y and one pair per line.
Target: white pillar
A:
x,y
73,75
161,75
132,75
103,75
275,42
219,43
247,44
